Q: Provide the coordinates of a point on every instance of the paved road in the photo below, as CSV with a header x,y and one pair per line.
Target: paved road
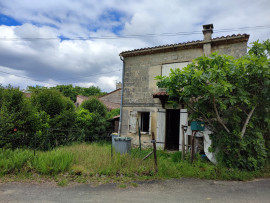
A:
x,y
181,190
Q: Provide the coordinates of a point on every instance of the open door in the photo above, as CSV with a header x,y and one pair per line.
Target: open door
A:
x,y
172,129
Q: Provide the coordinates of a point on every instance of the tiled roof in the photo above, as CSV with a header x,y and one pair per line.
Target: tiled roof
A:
x,y
160,94
119,89
83,97
118,116
111,105
193,44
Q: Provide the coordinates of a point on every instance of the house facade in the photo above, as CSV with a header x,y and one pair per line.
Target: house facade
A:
x,y
111,100
144,105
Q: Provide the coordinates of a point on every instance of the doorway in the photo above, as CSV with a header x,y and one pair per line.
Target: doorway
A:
x,y
172,129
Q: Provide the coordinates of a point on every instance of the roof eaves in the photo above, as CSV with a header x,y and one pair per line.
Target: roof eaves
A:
x,y
187,45
110,92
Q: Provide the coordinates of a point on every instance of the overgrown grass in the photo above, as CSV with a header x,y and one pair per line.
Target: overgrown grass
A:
x,y
83,162
52,162
13,161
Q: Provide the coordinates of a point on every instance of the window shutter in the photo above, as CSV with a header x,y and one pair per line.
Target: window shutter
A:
x,y
133,122
150,119
161,120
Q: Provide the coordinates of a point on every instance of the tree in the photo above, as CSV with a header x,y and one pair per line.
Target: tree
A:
x,y
69,91
19,121
72,92
93,124
233,97
94,105
51,101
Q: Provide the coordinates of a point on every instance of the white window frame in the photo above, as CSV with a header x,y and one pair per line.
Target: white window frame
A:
x,y
135,119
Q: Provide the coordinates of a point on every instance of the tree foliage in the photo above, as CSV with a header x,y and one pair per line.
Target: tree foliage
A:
x,y
47,119
70,91
51,101
94,105
233,97
17,118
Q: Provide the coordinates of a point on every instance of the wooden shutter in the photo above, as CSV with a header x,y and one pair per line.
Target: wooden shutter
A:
x,y
161,118
133,122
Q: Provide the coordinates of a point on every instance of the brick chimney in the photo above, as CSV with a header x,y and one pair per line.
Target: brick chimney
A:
x,y
207,37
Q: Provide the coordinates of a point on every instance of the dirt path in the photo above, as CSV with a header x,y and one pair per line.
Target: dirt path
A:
x,y
181,190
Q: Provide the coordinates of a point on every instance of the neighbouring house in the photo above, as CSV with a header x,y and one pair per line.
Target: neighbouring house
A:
x,y
80,99
144,105
111,100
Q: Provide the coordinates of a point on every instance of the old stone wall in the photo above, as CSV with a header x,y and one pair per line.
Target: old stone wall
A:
x,y
140,84
237,50
114,97
145,137
140,71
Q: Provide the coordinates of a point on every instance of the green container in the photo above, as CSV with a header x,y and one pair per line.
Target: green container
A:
x,y
197,125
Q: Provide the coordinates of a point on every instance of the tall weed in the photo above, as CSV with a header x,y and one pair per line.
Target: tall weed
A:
x,y
53,162
12,161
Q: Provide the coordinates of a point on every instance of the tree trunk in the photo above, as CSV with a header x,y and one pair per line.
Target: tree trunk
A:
x,y
218,117
247,121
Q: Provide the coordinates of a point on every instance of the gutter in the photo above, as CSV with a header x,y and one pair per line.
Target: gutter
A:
x,y
122,89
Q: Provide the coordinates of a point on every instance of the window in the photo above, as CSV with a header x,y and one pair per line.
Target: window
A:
x,y
145,121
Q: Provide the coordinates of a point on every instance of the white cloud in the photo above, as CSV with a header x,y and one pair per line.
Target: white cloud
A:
x,y
64,62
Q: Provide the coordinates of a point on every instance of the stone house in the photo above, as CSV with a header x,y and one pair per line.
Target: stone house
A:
x,y
144,105
111,100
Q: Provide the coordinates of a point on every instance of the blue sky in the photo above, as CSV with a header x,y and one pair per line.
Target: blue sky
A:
x,y
35,35
9,21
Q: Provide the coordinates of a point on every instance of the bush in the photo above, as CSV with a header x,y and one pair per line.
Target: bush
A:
x,y
248,153
113,113
51,101
94,105
18,119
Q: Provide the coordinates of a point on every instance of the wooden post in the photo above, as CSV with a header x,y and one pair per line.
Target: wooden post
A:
x,y
155,151
192,145
183,143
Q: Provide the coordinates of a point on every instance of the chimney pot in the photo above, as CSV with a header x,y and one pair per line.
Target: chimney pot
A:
x,y
207,31
118,85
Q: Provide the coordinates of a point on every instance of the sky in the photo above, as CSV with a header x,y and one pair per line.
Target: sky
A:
x,y
50,42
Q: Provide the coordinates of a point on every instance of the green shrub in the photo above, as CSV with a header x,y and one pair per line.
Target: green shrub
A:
x,y
94,105
113,113
246,153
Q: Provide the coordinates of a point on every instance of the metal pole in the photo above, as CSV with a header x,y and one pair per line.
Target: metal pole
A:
x,y
183,143
155,151
192,145
35,145
139,130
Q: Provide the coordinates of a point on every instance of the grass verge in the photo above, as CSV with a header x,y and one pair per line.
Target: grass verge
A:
x,y
85,163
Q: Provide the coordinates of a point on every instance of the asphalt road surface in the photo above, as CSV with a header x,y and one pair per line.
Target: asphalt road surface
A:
x,y
180,190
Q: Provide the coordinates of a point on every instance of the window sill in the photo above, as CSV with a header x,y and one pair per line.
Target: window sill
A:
x,y
145,133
